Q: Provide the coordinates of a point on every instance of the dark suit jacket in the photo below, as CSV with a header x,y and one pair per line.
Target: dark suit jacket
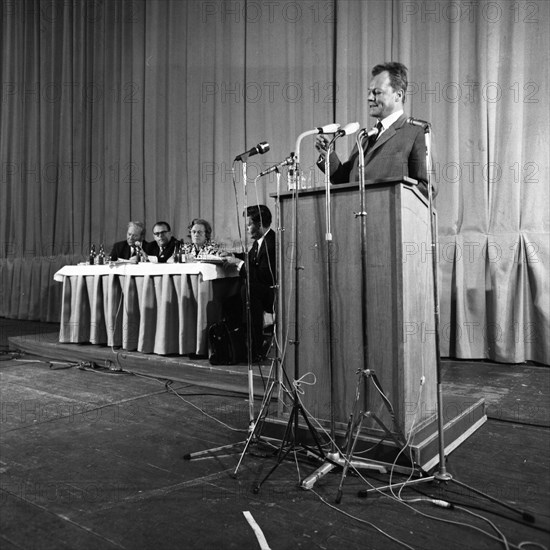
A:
x,y
121,250
263,269
400,151
152,249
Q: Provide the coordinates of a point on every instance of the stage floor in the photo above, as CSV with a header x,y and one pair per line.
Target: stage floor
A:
x,y
93,458
177,367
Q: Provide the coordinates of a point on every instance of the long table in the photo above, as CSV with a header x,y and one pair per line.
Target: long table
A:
x,y
152,308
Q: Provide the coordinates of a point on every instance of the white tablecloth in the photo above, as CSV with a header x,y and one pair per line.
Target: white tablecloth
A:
x,y
208,271
151,308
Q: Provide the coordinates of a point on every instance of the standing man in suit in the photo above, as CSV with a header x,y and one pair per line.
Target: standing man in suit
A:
x,y
262,274
399,149
130,249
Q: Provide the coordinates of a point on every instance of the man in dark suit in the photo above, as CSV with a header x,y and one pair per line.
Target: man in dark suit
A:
x,y
130,249
162,249
398,149
262,274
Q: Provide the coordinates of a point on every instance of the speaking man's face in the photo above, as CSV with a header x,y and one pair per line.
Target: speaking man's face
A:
x,y
383,99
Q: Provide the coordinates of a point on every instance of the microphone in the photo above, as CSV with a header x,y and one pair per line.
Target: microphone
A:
x,y
136,250
262,147
364,133
418,122
286,162
328,129
348,129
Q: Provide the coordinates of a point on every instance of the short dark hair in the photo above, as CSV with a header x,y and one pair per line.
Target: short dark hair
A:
x,y
398,75
207,227
260,214
166,224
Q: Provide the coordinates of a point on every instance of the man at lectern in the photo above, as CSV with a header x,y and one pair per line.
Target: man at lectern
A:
x,y
398,149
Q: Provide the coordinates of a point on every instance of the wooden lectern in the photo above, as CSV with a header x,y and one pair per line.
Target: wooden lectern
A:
x,y
399,316
400,321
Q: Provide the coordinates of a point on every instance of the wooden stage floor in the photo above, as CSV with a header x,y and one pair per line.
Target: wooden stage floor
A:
x,y
93,458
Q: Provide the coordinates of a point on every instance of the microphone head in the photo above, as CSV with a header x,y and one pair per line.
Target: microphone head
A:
x,y
286,162
418,122
351,128
262,147
137,244
368,133
348,129
329,128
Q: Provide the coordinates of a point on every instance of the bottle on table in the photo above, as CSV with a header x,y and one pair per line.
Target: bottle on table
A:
x,y
101,255
91,259
291,178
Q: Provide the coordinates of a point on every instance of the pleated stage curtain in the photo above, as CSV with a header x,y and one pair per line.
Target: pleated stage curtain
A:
x,y
135,109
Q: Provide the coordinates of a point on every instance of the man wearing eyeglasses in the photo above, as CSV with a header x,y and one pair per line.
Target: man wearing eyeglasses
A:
x,y
162,250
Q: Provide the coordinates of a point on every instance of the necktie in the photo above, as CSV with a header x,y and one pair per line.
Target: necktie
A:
x,y
373,138
254,252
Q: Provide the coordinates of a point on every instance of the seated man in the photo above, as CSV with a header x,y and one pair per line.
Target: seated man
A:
x,y
165,245
262,273
131,248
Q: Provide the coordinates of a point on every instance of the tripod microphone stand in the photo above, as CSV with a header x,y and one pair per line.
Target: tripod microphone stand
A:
x,y
273,378
288,442
253,423
441,475
366,374
335,458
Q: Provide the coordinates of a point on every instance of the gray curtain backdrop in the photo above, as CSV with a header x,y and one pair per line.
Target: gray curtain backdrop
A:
x,y
118,110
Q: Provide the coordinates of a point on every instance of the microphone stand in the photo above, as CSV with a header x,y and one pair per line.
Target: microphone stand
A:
x,y
251,416
288,442
273,379
244,158
364,373
440,475
334,458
